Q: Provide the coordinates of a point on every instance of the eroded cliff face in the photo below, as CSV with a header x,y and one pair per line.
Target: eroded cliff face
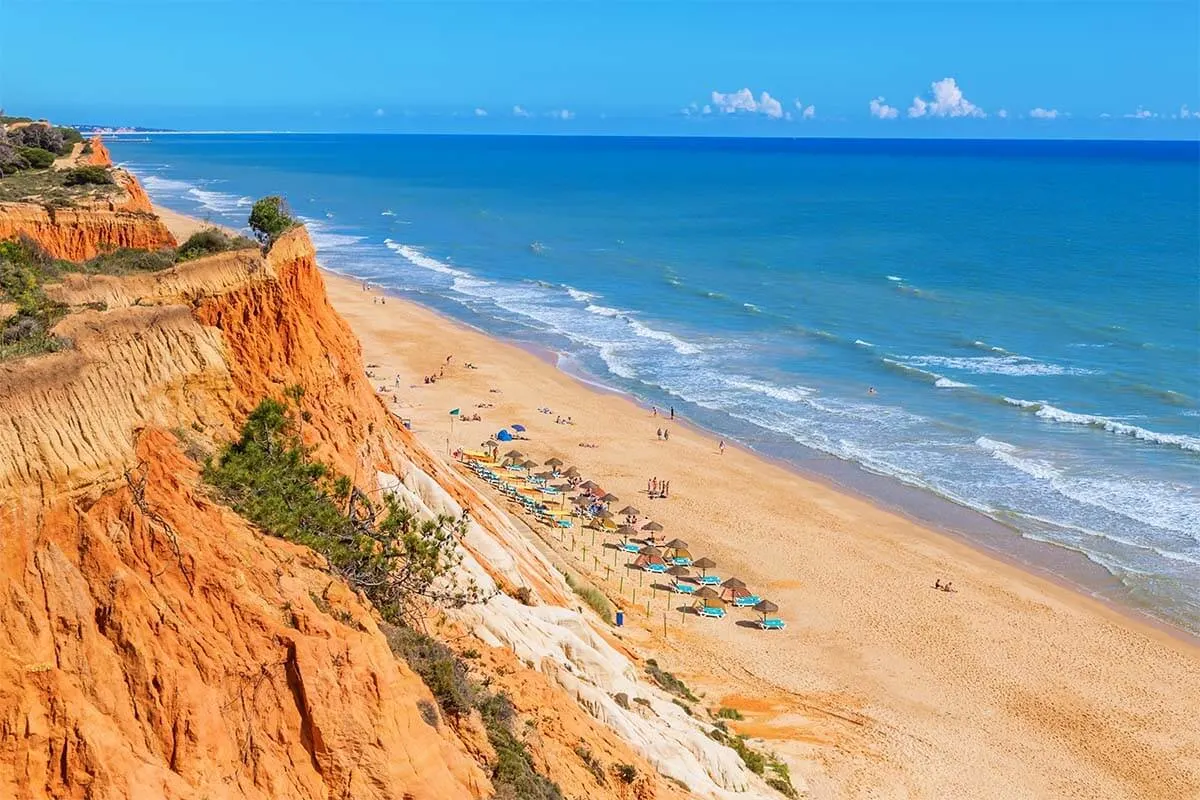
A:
x,y
123,218
156,645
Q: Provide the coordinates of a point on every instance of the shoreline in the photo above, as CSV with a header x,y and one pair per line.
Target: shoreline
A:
x,y
879,687
1065,567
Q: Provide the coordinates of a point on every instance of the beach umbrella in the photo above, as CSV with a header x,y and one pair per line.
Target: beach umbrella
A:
x,y
679,572
707,593
571,472
514,454
529,464
704,564
563,487
652,526
650,550
627,530
609,498
516,427
588,486
490,443
676,544
733,583
605,515
545,475
713,602
765,607
553,462
629,511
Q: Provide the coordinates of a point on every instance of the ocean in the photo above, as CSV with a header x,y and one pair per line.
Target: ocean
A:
x,y
1011,326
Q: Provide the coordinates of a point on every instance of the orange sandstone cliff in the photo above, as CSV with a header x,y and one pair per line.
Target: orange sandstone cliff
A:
x,y
123,218
156,645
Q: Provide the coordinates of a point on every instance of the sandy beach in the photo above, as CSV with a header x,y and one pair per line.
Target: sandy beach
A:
x,y
1010,687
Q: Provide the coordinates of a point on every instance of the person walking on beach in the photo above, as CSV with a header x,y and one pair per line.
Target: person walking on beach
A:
x,y
660,434
721,447
672,412
666,435
654,411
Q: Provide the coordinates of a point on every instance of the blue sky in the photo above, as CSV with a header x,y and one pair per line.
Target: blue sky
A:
x,y
1022,67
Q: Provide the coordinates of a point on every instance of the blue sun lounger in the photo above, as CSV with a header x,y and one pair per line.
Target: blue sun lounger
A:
x,y
681,561
709,580
630,547
657,569
772,624
712,612
683,588
748,600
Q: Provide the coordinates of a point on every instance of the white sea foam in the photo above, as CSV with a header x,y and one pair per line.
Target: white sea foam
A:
x,y
155,184
417,258
680,346
862,343
751,308
789,394
581,296
1016,366
604,311
894,278
1048,412
946,383
220,202
388,213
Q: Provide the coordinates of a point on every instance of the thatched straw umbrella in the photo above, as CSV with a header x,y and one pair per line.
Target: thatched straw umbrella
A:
x,y
489,444
629,511
604,515
704,564
626,531
529,464
648,555
676,544
708,593
679,572
571,472
652,527
609,498
588,486
650,550
514,454
733,583
553,462
765,607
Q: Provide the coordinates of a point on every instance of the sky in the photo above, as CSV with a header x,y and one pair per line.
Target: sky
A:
x,y
895,69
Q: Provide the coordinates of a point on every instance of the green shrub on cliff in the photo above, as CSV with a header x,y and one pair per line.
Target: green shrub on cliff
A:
x,y
127,260
270,218
36,157
24,270
210,241
87,176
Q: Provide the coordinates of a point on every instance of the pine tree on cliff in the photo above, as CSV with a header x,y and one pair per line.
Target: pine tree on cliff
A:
x,y
270,218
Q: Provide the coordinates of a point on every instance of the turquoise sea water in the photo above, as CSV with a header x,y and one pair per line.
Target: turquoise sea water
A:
x,y
1027,313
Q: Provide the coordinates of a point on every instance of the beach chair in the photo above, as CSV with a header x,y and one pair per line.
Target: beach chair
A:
x,y
708,580
748,600
712,612
683,588
774,624
657,569
565,523
681,561
630,547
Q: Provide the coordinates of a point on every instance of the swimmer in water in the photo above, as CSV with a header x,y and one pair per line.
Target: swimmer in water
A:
x,y
871,390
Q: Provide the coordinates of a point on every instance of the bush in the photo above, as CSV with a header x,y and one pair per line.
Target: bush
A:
x,y
24,269
70,137
270,218
627,772
594,598
87,149
36,157
38,135
209,241
729,713
513,776
437,665
10,157
125,260
668,681
85,176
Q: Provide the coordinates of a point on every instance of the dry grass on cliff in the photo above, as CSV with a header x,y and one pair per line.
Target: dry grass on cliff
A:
x,y
51,188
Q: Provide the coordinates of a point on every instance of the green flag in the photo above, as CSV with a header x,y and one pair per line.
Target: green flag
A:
x,y
454,412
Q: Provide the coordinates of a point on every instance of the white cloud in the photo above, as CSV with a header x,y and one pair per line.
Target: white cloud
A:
x,y
743,101
1184,113
379,112
481,112
882,110
948,101
1002,113
562,113
1045,113
805,112
1141,113
517,111
707,109
1106,115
